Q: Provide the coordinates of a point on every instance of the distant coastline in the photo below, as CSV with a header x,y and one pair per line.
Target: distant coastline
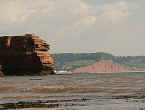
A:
x,y
73,61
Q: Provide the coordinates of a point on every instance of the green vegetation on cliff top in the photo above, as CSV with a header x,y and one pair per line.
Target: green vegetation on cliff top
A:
x,y
71,61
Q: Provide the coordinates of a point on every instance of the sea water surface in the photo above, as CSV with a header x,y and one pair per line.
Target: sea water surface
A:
x,y
86,91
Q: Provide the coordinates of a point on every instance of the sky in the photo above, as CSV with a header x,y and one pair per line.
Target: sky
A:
x,y
113,26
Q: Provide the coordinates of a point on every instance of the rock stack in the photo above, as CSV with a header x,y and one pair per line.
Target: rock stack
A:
x,y
26,54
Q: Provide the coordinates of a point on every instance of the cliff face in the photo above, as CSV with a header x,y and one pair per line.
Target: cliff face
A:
x,y
103,66
26,54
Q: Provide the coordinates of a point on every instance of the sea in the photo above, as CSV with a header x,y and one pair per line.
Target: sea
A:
x,y
77,91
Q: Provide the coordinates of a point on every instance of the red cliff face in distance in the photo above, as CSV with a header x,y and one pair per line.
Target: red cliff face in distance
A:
x,y
26,54
102,67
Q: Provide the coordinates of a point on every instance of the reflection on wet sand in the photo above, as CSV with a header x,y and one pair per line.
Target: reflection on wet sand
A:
x,y
74,92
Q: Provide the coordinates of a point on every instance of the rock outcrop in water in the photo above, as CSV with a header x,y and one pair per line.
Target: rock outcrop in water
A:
x,y
26,54
102,67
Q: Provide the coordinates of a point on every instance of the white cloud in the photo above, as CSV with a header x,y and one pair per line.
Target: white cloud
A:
x,y
64,21
21,10
116,12
111,12
14,11
84,23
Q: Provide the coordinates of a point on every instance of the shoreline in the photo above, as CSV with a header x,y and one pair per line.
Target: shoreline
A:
x,y
109,72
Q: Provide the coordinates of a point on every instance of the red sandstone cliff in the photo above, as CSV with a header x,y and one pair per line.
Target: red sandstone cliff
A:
x,y
25,54
102,67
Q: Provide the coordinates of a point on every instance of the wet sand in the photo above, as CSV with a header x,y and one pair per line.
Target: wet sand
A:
x,y
109,91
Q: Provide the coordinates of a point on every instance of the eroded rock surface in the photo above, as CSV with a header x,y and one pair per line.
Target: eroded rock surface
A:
x,y
104,66
26,54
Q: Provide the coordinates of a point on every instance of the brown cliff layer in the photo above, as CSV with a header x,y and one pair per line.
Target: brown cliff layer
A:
x,y
103,66
26,54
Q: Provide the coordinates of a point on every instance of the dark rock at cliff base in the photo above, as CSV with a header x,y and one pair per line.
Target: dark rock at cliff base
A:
x,y
27,54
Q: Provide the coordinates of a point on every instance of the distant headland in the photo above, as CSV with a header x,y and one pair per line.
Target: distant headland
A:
x,y
98,62
25,54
